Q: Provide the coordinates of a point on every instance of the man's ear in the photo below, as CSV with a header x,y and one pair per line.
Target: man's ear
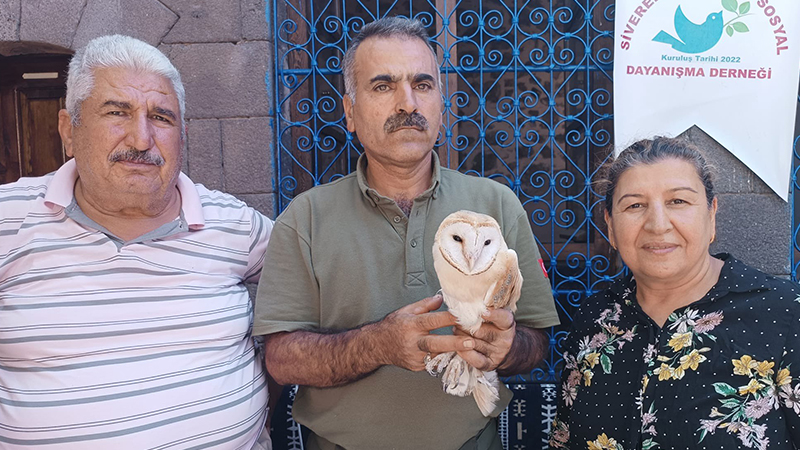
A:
x,y
348,113
65,130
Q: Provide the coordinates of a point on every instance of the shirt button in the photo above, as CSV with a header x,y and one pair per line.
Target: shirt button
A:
x,y
396,219
413,244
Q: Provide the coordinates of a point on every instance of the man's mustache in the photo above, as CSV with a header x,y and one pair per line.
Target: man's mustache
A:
x,y
136,156
401,120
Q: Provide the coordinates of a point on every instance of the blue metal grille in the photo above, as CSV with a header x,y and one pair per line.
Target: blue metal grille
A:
x,y
527,89
795,199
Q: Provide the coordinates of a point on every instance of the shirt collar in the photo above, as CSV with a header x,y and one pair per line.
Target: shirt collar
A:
x,y
737,276
374,197
61,192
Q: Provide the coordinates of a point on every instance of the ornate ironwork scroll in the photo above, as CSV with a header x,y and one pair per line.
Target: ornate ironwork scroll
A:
x,y
528,103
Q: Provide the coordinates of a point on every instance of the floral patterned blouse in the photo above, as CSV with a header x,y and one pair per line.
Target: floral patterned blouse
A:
x,y
722,373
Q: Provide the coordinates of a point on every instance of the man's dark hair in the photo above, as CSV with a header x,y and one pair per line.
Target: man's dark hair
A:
x,y
387,27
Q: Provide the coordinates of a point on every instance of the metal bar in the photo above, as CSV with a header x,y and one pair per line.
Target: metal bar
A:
x,y
456,69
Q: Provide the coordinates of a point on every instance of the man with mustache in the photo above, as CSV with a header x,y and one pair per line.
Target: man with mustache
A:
x,y
124,318
347,299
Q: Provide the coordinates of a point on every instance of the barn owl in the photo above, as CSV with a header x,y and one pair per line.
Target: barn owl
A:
x,y
477,272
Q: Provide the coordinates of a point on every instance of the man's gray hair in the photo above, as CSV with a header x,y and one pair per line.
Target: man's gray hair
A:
x,y
117,51
387,27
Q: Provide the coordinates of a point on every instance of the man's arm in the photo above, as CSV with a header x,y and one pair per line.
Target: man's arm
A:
x,y
502,345
527,351
275,391
402,339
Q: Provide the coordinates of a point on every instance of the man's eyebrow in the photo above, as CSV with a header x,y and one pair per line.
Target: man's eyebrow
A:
x,y
117,104
165,112
383,77
420,77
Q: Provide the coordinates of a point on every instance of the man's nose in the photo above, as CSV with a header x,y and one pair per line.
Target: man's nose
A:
x,y
140,133
406,99
657,219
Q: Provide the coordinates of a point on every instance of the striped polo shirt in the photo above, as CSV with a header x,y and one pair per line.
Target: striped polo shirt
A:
x,y
144,344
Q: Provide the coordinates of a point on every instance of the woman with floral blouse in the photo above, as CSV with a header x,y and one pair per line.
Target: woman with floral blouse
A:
x,y
689,351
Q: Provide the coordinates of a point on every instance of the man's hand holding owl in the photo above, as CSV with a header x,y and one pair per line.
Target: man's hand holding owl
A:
x,y
406,334
492,342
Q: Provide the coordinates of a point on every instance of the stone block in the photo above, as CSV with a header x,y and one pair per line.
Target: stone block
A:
x,y
51,21
247,155
9,20
149,20
185,163
223,80
254,21
205,153
204,21
755,228
731,175
263,203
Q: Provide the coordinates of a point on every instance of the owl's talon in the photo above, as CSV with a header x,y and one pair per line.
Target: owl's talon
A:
x,y
438,363
455,380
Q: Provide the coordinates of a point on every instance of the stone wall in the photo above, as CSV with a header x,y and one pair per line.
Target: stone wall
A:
x,y
223,49
753,222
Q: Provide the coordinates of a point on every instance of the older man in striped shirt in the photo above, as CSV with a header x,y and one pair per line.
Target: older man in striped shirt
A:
x,y
124,319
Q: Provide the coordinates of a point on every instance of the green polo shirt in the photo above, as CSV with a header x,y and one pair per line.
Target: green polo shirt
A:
x,y
342,255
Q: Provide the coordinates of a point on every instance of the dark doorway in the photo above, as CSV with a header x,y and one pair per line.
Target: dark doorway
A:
x,y
32,91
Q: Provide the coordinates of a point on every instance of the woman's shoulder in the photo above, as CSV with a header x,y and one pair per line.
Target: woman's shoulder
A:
x,y
765,292
740,276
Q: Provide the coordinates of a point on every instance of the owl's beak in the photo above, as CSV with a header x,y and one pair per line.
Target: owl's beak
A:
x,y
471,258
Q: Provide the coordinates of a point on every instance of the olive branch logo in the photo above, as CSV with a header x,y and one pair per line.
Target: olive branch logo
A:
x,y
734,25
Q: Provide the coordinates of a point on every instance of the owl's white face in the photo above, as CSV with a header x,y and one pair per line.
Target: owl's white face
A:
x,y
472,250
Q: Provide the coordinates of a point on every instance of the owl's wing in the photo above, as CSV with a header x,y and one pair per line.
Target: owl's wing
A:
x,y
505,292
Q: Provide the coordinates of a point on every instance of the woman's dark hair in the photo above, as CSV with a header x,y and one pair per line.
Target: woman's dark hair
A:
x,y
651,151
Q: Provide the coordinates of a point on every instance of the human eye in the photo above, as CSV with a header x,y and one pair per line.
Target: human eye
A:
x,y
424,87
678,201
115,112
161,118
381,88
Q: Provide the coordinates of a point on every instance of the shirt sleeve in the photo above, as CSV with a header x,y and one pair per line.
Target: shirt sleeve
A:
x,y
536,307
261,228
567,391
288,291
787,379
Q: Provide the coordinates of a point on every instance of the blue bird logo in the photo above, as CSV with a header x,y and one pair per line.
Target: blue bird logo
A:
x,y
693,38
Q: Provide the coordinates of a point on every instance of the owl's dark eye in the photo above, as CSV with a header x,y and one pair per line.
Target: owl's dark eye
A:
x,y
488,241
457,238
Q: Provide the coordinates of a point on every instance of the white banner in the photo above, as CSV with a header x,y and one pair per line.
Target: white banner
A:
x,y
731,67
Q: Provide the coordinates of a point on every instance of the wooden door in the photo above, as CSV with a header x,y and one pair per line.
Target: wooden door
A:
x,y
32,91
